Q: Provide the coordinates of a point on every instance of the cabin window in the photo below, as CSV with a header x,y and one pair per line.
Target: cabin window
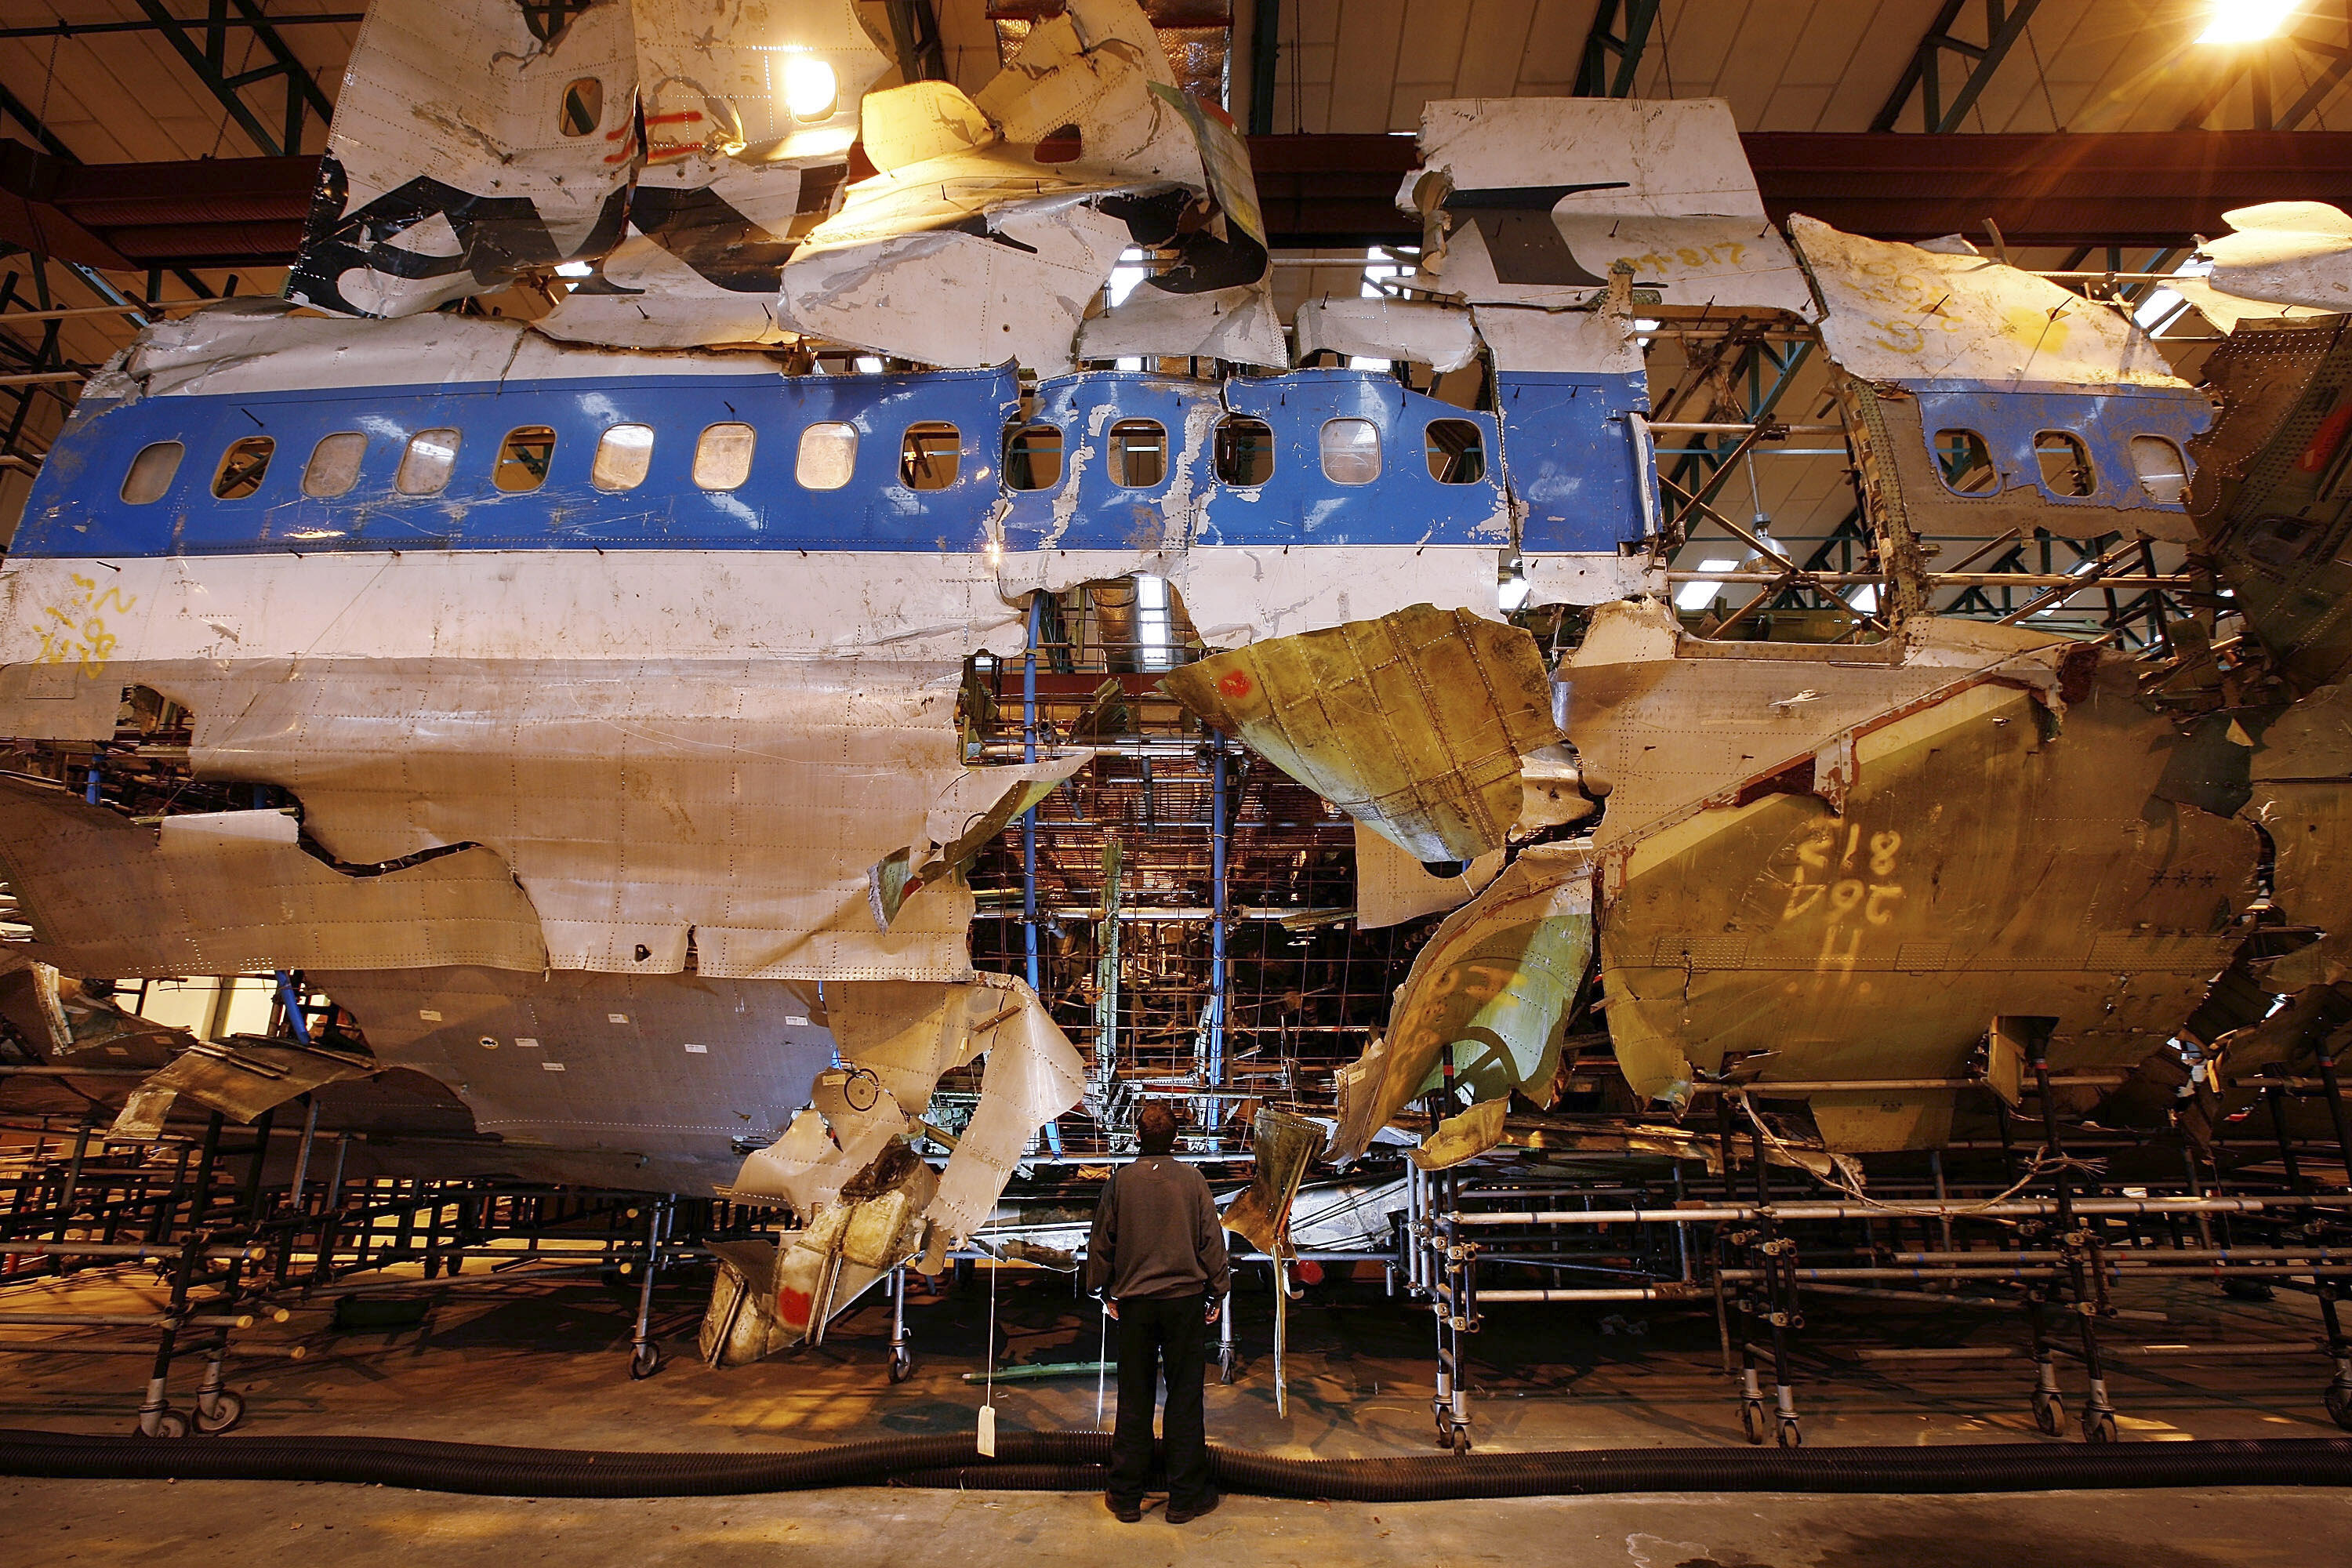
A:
x,y
624,454
2163,472
334,464
584,106
1033,458
1457,452
1965,463
722,457
425,467
828,456
928,455
152,471
242,465
1138,453
1244,454
1351,451
2279,541
523,458
2065,465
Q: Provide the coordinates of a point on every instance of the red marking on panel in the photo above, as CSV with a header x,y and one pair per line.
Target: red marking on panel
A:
x,y
2324,443
1236,684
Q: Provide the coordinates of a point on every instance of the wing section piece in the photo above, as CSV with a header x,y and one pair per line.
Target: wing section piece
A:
x,y
1414,724
2285,253
1491,989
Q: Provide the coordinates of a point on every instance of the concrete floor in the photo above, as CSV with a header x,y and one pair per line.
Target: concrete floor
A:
x,y
543,1365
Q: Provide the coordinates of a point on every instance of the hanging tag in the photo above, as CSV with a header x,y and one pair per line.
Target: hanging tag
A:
x,y
988,1431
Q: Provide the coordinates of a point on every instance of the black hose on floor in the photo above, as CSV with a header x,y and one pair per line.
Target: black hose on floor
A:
x,y
1073,1461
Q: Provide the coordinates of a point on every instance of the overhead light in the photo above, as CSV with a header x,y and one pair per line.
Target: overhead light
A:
x,y
811,90
2247,21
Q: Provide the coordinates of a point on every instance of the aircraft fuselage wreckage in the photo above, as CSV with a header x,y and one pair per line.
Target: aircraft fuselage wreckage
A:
x,y
574,701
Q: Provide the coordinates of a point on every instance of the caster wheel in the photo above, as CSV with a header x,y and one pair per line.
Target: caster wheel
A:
x,y
2049,1414
902,1367
228,1409
1791,1436
170,1424
1460,1442
645,1361
1225,1372
1752,1419
2339,1406
2099,1428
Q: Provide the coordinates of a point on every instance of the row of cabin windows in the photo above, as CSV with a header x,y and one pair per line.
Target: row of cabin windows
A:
x,y
1964,461
928,458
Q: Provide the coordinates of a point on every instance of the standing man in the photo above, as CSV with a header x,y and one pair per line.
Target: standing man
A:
x,y
1158,1255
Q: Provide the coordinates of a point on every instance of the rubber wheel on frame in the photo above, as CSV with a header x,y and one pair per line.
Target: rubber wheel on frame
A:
x,y
645,1361
229,1407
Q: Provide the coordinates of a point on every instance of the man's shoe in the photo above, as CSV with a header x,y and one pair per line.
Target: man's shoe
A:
x,y
1186,1515
1125,1512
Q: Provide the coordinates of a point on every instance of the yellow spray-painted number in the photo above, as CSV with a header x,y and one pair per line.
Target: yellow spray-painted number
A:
x,y
79,635
1856,877
1726,253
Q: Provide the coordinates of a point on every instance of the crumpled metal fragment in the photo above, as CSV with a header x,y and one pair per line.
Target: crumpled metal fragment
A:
x,y
1414,724
1494,984
1284,1145
240,1077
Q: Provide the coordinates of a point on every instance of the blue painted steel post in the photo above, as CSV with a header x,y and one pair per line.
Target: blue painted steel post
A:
x,y
1029,818
1218,836
301,1025
89,786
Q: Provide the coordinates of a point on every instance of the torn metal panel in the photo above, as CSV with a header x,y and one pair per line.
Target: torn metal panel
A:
x,y
1093,67
1989,857
1671,724
1969,463
740,1325
1414,724
63,1016
1034,1074
744,157
951,298
1491,988
465,152
1421,332
1598,342
876,1223
1392,887
1534,201
2269,496
1283,1145
1590,579
2301,796
903,873
2225,310
246,1075
2286,253
230,894
1462,1137
1898,313
1217,301
668,1072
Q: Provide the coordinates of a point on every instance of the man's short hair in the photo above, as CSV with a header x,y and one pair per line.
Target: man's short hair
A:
x,y
1155,1125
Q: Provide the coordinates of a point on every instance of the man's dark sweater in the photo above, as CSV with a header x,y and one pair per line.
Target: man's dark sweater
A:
x,y
1156,1235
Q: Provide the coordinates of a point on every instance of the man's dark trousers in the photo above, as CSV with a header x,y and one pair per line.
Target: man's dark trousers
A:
x,y
1153,1332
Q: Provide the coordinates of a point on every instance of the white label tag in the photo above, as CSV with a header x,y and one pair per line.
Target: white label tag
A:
x,y
551,1066
795,1021
428,1014
525,1043
698,1050
616,1017
988,1431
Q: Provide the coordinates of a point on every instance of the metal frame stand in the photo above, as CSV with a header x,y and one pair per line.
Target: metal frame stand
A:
x,y
902,1354
645,1355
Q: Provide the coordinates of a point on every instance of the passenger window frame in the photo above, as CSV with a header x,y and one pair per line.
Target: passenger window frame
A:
x,y
2048,444
703,454
1023,461
267,445
1945,473
162,487
910,456
409,454
319,449
1325,451
605,443
1122,437
509,459
806,458
2181,466
1476,452
1223,451
592,106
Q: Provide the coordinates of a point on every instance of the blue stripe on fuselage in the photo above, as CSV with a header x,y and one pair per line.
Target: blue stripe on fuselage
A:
x,y
75,509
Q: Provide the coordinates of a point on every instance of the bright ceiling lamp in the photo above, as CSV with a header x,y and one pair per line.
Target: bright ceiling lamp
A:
x,y
811,90
2247,21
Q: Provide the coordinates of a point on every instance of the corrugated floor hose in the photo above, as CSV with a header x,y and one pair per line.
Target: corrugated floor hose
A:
x,y
1076,1461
